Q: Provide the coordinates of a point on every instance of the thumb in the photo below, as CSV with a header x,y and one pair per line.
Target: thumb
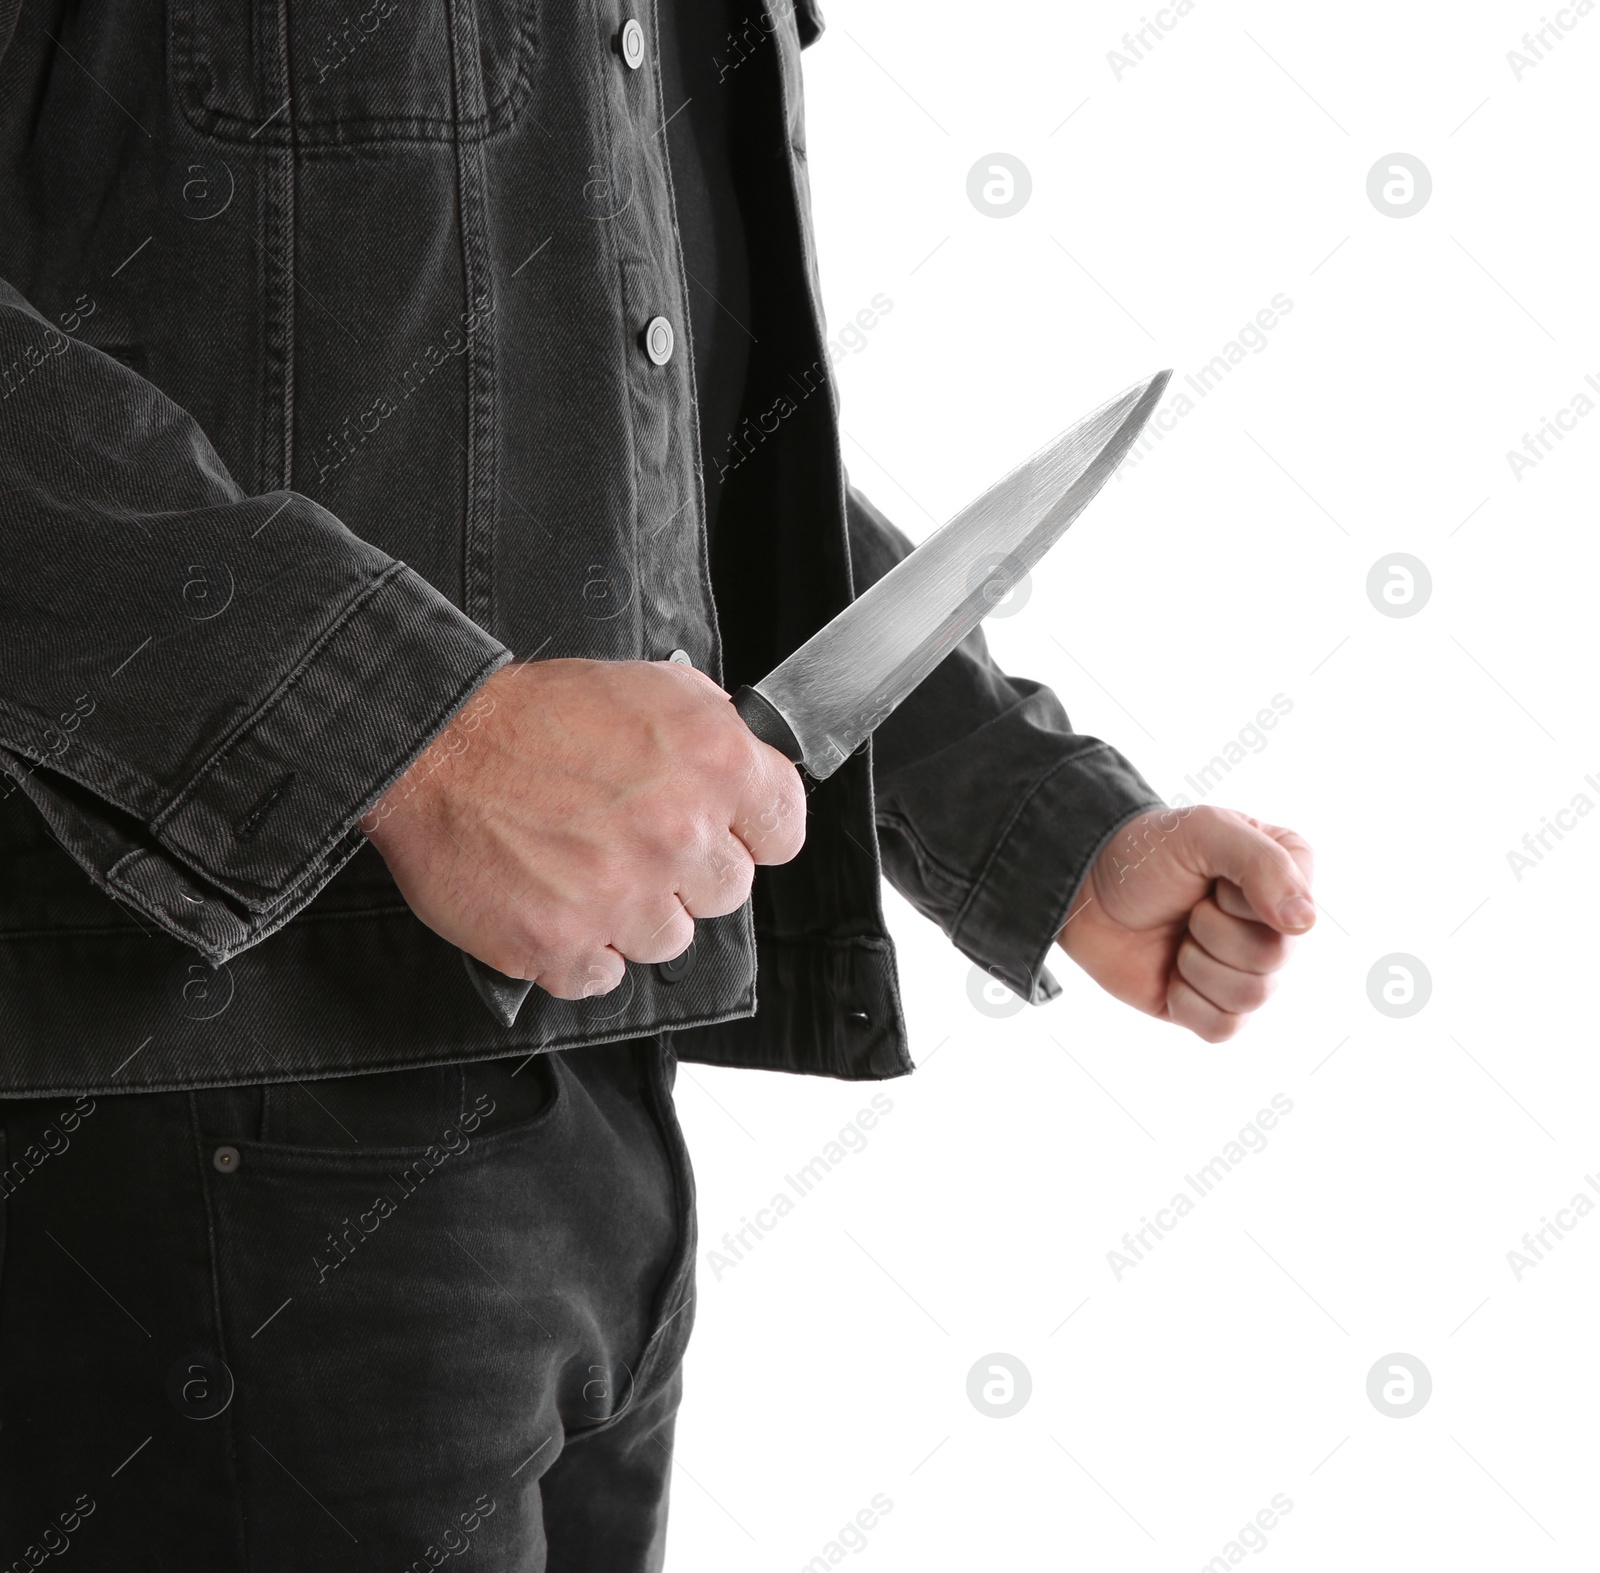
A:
x,y
1270,865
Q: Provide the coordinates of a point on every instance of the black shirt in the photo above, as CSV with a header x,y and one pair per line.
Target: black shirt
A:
x,y
702,114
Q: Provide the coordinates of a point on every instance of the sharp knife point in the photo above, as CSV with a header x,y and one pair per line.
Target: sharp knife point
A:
x,y
848,676
1153,386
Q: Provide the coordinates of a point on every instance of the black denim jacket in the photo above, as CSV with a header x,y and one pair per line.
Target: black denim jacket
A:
x,y
324,388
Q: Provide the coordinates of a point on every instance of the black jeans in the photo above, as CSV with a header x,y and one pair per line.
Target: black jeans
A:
x,y
369,1322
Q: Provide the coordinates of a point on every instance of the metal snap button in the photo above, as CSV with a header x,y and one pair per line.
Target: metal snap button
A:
x,y
225,1160
678,968
681,657
658,340
631,43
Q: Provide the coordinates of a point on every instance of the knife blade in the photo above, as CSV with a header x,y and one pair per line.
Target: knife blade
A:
x,y
820,704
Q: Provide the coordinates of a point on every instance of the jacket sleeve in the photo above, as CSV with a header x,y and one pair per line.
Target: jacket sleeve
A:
x,y
201,691
990,809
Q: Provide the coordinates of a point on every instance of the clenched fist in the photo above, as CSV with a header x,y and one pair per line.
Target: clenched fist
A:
x,y
577,813
1188,914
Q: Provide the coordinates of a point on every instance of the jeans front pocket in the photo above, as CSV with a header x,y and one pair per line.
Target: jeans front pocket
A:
x,y
402,1111
418,1328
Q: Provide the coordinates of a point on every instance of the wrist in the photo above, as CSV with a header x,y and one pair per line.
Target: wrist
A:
x,y
432,773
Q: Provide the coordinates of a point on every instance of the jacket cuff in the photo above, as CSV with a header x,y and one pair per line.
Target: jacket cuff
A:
x,y
272,814
808,21
1028,887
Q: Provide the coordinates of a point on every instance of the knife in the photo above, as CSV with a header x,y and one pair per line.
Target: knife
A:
x,y
818,706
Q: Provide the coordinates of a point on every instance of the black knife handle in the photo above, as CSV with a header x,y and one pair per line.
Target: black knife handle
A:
x,y
505,995
766,721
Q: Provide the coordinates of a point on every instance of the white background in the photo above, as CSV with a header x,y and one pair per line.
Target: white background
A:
x,y
1168,208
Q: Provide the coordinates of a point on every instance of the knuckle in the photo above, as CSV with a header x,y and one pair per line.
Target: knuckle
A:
x,y
720,743
1274,951
609,886
672,936
728,892
577,977
570,947
1256,991
600,978
518,951
558,984
736,877
649,939
775,828
558,940
676,938
676,830
510,960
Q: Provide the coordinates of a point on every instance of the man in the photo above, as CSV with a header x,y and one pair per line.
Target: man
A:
x,y
307,1261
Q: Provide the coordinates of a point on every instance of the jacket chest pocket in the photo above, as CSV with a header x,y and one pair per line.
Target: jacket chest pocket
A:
x,y
339,73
